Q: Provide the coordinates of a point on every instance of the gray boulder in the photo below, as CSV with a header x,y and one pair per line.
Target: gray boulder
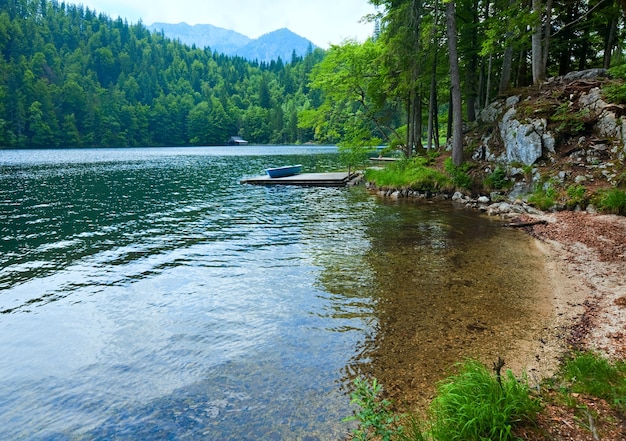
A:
x,y
524,142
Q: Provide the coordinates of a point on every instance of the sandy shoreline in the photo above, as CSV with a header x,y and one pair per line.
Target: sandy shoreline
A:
x,y
585,266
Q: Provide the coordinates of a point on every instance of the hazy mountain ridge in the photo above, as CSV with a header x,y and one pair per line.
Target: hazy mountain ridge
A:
x,y
280,43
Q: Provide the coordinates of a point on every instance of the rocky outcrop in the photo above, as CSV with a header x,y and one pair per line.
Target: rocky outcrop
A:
x,y
559,137
526,139
525,142
610,120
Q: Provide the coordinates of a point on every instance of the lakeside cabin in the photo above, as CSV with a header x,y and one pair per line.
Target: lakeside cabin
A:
x,y
237,140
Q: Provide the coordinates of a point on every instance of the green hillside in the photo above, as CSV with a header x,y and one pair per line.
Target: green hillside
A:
x,y
71,77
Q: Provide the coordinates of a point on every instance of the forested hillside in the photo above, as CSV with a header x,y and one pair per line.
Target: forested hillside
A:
x,y
70,77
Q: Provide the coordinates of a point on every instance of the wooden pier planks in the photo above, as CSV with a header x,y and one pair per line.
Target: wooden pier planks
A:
x,y
336,179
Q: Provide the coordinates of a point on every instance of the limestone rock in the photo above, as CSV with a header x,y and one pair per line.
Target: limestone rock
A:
x,y
523,142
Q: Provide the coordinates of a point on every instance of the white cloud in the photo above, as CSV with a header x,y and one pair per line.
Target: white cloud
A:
x,y
321,21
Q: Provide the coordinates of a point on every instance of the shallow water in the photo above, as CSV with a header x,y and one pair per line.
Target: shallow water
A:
x,y
145,293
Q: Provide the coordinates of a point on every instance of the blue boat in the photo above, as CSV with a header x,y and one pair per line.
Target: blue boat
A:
x,y
281,172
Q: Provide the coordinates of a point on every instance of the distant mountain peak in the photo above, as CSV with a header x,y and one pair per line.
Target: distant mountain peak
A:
x,y
279,43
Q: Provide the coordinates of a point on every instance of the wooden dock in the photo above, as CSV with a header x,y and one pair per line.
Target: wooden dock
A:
x,y
384,159
336,179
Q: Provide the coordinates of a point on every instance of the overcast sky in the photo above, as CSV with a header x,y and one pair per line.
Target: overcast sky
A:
x,y
321,21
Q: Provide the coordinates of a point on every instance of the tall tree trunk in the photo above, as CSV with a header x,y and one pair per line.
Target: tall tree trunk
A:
x,y
507,62
455,85
505,74
566,36
418,122
432,103
432,100
610,42
471,74
449,126
436,127
536,46
545,47
480,96
522,70
488,86
409,130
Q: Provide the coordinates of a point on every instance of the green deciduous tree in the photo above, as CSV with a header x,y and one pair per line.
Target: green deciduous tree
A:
x,y
355,107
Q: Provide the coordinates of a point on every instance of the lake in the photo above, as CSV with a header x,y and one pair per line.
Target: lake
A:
x,y
147,294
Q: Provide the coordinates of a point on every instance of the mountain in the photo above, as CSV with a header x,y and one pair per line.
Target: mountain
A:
x,y
280,43
203,35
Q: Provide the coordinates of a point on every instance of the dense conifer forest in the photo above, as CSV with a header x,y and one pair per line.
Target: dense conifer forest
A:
x,y
70,77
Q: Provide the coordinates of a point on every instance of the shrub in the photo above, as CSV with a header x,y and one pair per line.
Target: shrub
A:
x,y
545,197
569,121
498,180
615,91
577,196
374,414
459,175
612,201
473,405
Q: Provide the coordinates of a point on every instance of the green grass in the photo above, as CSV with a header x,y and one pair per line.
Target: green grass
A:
x,y
473,405
545,197
413,174
459,174
590,374
577,196
612,201
498,180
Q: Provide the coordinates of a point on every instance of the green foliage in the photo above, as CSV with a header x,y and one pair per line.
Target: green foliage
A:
x,y
615,91
356,155
612,201
498,179
355,106
411,174
473,405
545,197
567,121
576,196
374,414
476,405
589,373
459,174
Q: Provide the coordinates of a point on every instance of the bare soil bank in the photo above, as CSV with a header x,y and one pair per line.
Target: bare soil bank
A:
x,y
586,257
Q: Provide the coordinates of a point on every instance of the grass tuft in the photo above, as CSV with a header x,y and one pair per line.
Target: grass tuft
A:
x,y
612,201
413,174
591,374
473,405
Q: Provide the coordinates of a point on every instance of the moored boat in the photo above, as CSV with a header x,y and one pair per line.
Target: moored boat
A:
x,y
281,172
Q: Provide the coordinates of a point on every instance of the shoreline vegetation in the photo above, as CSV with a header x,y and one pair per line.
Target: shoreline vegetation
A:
x,y
578,368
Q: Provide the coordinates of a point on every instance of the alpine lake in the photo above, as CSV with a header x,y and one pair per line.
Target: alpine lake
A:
x,y
147,294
